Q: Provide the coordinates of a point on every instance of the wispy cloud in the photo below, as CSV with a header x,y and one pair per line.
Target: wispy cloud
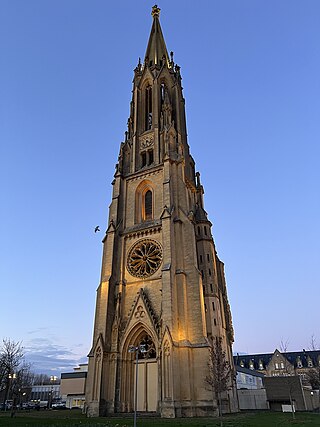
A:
x,y
35,331
47,357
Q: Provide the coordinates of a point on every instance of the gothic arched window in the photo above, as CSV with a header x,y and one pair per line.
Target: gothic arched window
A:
x,y
162,92
144,202
147,214
148,108
150,353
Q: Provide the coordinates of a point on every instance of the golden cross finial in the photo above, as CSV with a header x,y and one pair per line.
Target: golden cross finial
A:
x,y
155,11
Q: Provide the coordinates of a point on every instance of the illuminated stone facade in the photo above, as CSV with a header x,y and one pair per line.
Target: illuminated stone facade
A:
x,y
162,283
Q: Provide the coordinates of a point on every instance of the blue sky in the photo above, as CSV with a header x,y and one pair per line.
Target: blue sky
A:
x,y
251,81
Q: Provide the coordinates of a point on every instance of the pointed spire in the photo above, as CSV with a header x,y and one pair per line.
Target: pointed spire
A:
x,y
156,48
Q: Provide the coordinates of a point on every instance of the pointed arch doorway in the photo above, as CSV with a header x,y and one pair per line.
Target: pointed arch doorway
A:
x,y
147,389
147,385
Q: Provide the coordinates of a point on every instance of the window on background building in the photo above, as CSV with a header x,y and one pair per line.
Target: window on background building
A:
x,y
276,365
211,287
209,272
282,365
200,259
213,307
215,322
208,257
205,230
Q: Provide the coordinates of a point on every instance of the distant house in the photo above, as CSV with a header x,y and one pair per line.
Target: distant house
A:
x,y
278,364
73,385
251,392
248,379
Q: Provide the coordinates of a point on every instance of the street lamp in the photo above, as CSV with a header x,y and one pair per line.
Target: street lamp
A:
x,y
53,379
12,376
142,349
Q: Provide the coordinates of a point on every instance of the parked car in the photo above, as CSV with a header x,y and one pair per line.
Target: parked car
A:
x,y
6,406
28,405
59,405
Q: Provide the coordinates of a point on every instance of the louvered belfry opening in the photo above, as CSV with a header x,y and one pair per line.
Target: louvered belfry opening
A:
x,y
148,101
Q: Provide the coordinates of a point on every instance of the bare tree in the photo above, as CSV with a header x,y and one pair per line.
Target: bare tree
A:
x,y
220,373
314,373
313,378
288,372
14,370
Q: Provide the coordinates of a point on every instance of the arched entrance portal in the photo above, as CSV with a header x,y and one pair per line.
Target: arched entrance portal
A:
x,y
147,389
147,397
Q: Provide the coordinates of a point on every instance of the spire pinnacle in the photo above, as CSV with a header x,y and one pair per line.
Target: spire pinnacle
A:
x,y
155,11
156,48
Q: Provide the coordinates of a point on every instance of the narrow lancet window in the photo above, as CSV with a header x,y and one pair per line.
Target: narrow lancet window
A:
x,y
150,157
148,205
148,101
143,159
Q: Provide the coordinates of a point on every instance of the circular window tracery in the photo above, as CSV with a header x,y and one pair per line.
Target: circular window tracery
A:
x,y
144,258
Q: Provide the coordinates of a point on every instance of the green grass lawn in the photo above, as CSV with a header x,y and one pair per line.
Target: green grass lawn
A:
x,y
74,418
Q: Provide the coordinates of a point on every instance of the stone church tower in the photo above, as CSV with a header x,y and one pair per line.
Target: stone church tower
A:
x,y
162,283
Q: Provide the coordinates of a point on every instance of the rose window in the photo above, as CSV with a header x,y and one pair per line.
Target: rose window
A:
x,y
144,258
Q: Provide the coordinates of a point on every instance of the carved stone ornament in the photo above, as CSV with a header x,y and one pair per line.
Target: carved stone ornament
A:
x,y
140,313
146,142
144,258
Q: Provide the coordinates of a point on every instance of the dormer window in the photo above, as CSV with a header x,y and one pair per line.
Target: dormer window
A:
x,y
299,363
260,364
251,365
310,364
241,364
